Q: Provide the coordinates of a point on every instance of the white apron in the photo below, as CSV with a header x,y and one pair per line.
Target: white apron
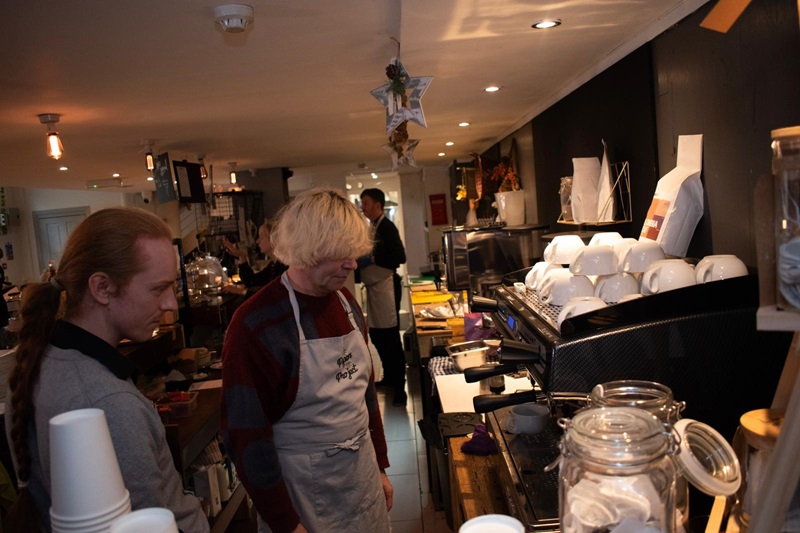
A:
x,y
381,310
323,442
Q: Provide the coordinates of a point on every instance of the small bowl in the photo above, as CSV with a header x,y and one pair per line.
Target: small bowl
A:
x,y
470,358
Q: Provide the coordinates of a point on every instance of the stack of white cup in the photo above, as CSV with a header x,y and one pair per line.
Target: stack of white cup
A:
x,y
151,520
87,490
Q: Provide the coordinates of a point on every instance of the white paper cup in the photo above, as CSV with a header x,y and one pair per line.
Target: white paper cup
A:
x,y
667,275
557,290
562,249
641,255
613,287
594,260
579,306
85,479
492,523
151,520
719,267
608,238
527,419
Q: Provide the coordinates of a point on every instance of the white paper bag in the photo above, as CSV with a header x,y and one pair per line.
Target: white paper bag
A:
x,y
585,177
678,202
606,206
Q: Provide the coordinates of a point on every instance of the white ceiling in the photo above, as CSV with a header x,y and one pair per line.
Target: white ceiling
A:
x,y
294,89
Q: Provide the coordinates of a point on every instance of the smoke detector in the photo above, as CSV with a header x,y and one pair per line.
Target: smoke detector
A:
x,y
233,18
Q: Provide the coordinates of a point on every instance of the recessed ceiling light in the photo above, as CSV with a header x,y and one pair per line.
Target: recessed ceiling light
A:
x,y
63,168
546,24
374,176
463,124
441,154
449,143
492,88
348,186
115,175
149,178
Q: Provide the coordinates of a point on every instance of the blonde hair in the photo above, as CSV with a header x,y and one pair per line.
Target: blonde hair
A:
x,y
320,224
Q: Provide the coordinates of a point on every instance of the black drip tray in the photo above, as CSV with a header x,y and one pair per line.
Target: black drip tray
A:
x,y
458,424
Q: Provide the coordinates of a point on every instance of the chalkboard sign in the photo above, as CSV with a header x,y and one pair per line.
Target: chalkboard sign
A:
x,y
165,191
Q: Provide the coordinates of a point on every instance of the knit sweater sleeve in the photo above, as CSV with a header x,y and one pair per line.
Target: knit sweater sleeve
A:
x,y
259,384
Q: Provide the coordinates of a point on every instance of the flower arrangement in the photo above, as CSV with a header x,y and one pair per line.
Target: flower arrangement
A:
x,y
505,174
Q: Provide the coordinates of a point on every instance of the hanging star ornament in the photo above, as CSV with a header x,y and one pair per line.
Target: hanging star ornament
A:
x,y
400,105
402,154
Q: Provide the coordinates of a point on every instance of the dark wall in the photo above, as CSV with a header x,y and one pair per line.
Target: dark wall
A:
x,y
617,105
733,88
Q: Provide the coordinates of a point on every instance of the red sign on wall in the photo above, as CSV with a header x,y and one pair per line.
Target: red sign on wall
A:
x,y
438,209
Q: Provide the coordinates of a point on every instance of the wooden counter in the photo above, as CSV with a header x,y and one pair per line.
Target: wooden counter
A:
x,y
474,487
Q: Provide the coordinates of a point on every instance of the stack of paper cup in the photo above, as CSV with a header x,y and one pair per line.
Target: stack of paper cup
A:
x,y
87,490
152,520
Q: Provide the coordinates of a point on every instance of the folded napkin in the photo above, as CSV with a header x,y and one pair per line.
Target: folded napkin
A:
x,y
480,443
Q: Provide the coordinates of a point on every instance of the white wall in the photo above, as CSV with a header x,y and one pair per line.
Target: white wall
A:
x,y
24,267
436,180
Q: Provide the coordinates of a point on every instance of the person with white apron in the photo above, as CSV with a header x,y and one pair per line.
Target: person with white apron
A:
x,y
330,468
300,414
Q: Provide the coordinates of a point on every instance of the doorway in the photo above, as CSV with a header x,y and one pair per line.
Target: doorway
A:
x,y
52,228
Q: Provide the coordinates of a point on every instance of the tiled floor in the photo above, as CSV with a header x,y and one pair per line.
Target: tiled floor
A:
x,y
413,510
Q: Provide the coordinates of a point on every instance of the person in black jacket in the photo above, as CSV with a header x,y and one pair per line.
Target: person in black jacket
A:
x,y
377,272
254,280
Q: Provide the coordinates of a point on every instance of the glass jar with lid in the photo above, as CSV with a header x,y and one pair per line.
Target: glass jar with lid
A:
x,y
616,471
656,399
786,172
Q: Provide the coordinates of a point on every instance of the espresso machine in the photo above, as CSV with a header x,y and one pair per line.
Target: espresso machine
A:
x,y
701,341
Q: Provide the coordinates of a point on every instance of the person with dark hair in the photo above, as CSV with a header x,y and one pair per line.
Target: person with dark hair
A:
x,y
115,280
254,280
300,414
378,273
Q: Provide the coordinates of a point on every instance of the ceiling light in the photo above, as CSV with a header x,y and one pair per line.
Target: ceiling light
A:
x,y
115,175
492,88
63,168
348,186
449,143
232,173
374,176
203,171
54,147
149,178
148,155
546,24
463,124
233,18
441,154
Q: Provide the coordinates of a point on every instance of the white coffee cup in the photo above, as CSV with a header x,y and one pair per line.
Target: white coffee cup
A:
x,y
557,290
492,523
536,272
629,297
613,287
594,260
579,306
150,520
558,272
667,275
562,249
606,237
640,256
620,247
719,267
527,418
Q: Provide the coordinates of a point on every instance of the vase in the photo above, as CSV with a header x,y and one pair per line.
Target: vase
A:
x,y
511,207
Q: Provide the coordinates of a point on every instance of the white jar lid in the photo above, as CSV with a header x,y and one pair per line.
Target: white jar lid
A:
x,y
706,458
